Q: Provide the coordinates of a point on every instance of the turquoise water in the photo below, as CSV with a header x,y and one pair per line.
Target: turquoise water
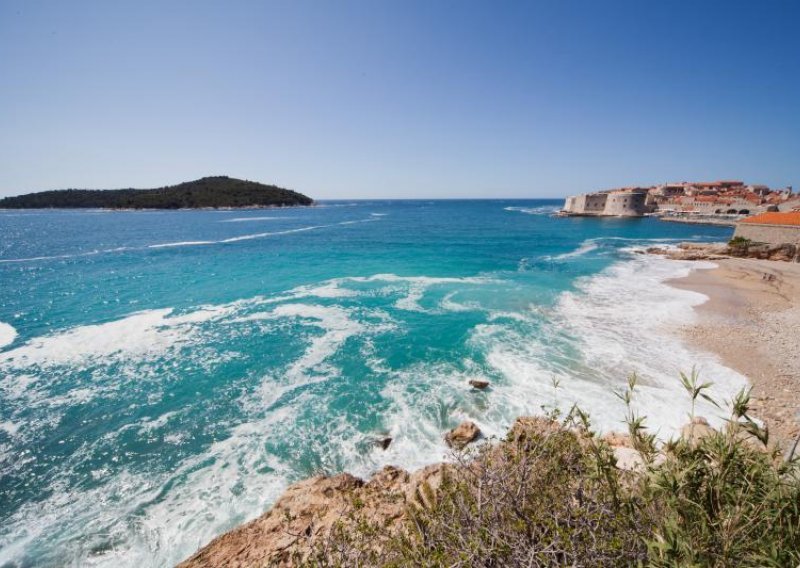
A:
x,y
164,375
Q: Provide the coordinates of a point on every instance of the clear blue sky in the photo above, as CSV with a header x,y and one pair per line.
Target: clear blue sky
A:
x,y
409,99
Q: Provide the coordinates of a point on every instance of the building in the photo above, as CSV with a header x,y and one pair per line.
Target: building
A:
x,y
772,228
683,200
627,202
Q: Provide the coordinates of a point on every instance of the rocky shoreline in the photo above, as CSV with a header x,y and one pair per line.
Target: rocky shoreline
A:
x,y
785,252
305,515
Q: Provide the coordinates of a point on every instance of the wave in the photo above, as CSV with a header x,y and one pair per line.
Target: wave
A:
x,y
142,335
7,334
620,321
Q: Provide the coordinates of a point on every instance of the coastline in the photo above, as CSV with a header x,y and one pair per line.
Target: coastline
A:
x,y
750,321
317,501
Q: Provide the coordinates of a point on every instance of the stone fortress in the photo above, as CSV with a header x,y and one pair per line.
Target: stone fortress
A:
x,y
614,203
693,199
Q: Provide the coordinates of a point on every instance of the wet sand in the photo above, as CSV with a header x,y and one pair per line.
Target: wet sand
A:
x,y
752,322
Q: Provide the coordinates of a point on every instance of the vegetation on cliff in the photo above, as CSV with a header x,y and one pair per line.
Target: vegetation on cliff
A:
x,y
215,192
553,493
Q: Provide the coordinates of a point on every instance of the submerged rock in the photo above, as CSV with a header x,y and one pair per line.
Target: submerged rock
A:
x,y
462,435
479,384
383,443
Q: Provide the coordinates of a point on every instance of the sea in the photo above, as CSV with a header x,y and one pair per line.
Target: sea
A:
x,y
164,375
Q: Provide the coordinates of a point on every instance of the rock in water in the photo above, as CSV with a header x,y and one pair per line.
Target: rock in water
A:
x,y
479,384
384,443
462,435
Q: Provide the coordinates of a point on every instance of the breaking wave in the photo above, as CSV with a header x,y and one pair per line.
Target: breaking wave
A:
x,y
7,334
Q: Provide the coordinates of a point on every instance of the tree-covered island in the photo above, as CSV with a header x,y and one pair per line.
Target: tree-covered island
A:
x,y
207,192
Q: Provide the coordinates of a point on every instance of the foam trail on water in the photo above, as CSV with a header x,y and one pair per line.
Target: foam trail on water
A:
x,y
586,246
178,244
64,256
253,236
182,244
542,210
247,219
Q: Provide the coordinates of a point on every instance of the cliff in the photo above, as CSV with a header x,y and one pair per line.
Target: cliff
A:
x,y
207,192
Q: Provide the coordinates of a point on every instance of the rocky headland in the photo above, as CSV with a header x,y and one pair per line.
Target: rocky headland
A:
x,y
344,520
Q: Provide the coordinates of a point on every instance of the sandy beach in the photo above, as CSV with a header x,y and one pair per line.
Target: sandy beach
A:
x,y
752,321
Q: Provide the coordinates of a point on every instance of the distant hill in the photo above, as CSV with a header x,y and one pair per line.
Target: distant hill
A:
x,y
217,192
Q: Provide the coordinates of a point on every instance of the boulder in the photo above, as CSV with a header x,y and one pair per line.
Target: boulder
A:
x,y
618,440
784,252
628,459
531,427
423,485
462,435
696,430
479,384
383,443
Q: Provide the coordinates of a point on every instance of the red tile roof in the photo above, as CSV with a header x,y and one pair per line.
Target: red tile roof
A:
x,y
791,218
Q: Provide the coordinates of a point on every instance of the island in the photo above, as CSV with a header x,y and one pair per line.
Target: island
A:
x,y
217,192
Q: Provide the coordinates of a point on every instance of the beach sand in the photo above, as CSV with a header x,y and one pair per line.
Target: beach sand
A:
x,y
752,322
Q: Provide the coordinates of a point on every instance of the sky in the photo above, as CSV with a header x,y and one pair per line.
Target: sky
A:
x,y
399,99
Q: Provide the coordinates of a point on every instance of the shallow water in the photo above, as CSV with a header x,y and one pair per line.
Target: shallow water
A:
x,y
164,375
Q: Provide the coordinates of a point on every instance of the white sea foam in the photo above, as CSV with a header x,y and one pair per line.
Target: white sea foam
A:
x,y
450,305
541,210
328,289
7,334
338,327
9,427
136,334
253,236
156,518
181,244
248,219
586,246
418,285
621,321
144,334
147,425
